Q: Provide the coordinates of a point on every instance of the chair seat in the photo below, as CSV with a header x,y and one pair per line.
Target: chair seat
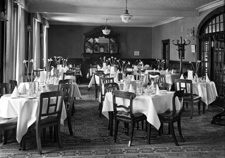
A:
x,y
126,114
48,120
8,123
188,97
168,114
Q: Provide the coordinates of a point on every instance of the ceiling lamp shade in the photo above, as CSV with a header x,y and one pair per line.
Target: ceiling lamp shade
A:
x,y
106,31
126,17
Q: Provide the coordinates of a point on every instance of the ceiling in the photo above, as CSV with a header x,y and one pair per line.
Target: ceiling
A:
x,y
146,13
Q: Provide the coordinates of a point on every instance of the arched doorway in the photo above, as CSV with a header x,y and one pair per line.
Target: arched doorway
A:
x,y
211,47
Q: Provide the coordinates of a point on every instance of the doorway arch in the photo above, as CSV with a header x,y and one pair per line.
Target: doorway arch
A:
x,y
211,33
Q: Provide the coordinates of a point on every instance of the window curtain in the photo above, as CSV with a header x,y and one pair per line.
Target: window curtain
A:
x,y
15,43
45,42
36,40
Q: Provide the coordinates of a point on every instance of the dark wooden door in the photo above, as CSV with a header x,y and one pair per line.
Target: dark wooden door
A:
x,y
166,52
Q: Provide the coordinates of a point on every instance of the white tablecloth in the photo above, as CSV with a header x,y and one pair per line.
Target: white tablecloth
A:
x,y
150,105
25,109
206,90
23,87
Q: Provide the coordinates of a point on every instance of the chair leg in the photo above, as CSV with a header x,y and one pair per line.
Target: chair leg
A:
x,y
179,130
116,130
38,140
100,109
173,134
192,109
199,108
131,134
149,132
5,136
69,124
59,136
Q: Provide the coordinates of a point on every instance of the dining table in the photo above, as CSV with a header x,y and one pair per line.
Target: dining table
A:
x,y
148,104
24,86
26,109
206,90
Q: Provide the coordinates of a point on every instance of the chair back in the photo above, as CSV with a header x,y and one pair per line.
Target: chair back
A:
x,y
78,70
186,85
68,73
13,84
127,110
153,77
68,89
109,87
66,81
97,76
4,88
50,106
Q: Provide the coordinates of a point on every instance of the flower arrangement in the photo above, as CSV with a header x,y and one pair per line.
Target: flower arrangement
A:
x,y
160,64
196,67
29,67
48,64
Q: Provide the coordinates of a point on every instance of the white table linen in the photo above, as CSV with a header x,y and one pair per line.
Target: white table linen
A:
x,y
149,105
25,109
24,86
206,90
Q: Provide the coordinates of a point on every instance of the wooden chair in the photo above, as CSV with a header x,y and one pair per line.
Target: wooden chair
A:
x,y
49,116
97,87
4,88
78,73
69,102
6,123
13,84
125,113
174,115
109,87
102,82
153,77
189,97
69,73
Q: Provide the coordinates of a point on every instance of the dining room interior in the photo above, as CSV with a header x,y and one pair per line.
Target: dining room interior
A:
x,y
162,61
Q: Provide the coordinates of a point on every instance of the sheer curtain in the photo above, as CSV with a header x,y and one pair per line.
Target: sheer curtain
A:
x,y
45,41
15,43
36,40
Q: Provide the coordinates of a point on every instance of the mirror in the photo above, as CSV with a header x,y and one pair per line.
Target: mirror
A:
x,y
96,42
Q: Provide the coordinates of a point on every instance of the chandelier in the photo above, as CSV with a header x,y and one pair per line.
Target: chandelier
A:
x,y
106,31
126,17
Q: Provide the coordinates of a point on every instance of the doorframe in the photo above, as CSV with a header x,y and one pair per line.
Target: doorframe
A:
x,y
167,57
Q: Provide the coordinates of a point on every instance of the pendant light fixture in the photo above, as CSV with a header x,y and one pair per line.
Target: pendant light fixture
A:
x,y
126,17
106,31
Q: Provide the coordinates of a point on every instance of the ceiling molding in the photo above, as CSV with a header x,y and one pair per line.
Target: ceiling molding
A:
x,y
166,21
211,5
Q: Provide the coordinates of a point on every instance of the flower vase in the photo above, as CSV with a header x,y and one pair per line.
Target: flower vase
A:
x,y
30,90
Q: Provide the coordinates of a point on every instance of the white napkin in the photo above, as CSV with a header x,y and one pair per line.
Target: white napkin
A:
x,y
172,71
207,78
157,89
190,75
131,88
43,76
182,76
112,70
15,93
132,78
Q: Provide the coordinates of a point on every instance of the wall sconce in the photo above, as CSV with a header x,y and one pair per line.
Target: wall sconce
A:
x,y
191,32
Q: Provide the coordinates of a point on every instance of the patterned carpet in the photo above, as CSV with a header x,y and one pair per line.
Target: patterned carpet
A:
x,y
91,138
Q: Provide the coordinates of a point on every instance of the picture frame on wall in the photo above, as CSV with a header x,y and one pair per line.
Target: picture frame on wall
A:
x,y
193,48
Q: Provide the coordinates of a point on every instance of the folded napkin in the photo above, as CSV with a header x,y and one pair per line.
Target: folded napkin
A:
x,y
172,71
207,78
157,89
190,75
182,76
15,93
131,88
